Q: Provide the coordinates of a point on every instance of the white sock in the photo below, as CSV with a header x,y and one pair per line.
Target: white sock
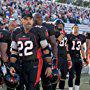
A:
x,y
76,87
70,88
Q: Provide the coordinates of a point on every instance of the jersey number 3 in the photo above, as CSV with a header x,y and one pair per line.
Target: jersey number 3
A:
x,y
76,45
27,45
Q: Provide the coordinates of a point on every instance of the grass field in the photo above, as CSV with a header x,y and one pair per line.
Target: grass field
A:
x,y
85,83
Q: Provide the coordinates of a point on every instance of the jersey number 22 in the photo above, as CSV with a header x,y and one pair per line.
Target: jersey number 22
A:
x,y
27,45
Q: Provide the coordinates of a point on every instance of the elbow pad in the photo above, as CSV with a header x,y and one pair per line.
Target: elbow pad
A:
x,y
47,52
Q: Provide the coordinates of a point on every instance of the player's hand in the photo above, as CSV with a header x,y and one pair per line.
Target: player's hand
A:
x,y
69,64
54,62
12,71
48,71
86,61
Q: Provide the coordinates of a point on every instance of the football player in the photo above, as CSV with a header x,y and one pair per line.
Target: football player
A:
x,y
75,46
4,48
52,42
25,47
64,58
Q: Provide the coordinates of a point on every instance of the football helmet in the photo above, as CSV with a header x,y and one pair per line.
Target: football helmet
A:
x,y
12,81
53,78
58,21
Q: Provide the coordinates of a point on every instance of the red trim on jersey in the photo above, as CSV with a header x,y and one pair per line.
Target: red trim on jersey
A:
x,y
39,56
57,61
89,56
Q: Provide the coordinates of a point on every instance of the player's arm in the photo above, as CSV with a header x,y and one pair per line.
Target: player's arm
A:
x,y
53,45
46,51
68,55
83,54
13,50
3,48
52,39
47,56
13,58
88,47
14,54
68,58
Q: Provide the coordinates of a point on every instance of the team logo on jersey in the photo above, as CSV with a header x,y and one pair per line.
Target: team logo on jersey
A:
x,y
24,36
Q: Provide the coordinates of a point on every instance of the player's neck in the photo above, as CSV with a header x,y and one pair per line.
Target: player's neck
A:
x,y
75,34
27,30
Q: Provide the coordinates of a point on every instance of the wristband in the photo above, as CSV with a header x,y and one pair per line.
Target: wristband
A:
x,y
14,55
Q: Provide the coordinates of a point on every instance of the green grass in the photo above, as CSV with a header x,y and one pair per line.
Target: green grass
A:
x,y
85,83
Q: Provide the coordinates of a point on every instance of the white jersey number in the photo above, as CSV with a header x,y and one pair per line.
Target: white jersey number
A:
x,y
28,46
63,42
78,44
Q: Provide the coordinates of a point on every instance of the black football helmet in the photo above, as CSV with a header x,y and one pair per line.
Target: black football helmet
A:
x,y
53,78
58,21
59,24
12,81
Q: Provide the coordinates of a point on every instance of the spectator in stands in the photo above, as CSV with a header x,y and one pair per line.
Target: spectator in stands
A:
x,y
69,14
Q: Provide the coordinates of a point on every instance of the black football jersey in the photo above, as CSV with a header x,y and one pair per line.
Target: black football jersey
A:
x,y
28,43
88,36
61,45
74,44
49,28
5,36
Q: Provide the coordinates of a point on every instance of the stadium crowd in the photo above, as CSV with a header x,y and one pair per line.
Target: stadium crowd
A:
x,y
69,14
